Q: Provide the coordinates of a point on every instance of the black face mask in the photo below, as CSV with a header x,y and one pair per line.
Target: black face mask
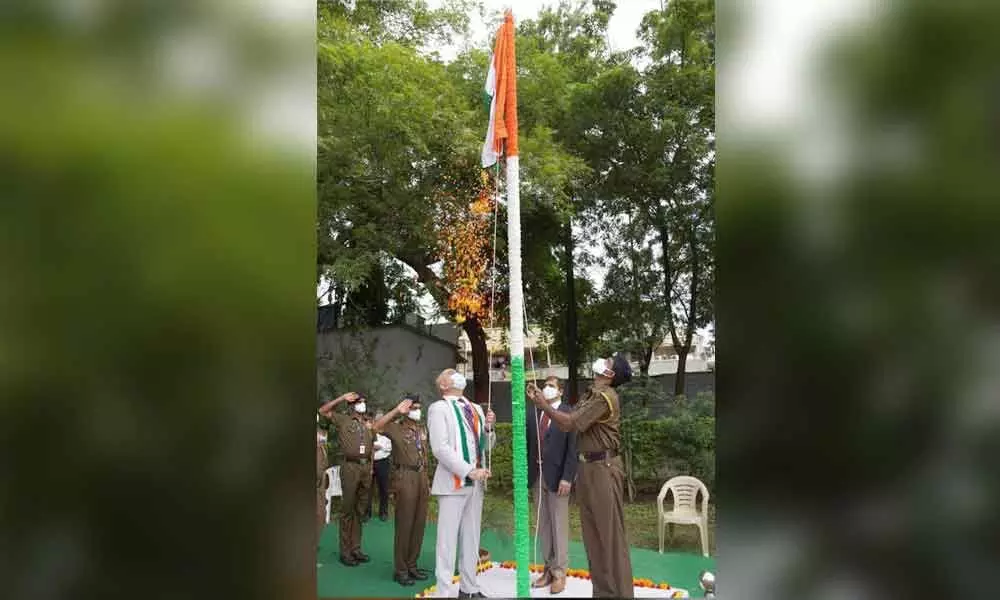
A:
x,y
623,371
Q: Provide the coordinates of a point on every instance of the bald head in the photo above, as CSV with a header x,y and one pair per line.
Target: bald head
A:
x,y
451,383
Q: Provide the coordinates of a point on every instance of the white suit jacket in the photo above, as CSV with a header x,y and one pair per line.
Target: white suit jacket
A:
x,y
442,429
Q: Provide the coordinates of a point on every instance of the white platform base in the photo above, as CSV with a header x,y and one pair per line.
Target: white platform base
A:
x,y
496,581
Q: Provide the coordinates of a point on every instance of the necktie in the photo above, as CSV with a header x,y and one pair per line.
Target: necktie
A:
x,y
545,423
467,408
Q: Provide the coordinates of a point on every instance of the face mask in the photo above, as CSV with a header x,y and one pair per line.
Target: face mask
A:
x,y
414,414
458,381
359,407
550,392
599,367
321,438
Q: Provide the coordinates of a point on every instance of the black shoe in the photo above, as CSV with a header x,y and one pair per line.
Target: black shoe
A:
x,y
419,574
384,517
475,595
350,562
361,557
402,579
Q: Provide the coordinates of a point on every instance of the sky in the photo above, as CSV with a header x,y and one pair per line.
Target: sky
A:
x,y
621,29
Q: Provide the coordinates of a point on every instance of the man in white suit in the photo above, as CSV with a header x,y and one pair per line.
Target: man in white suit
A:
x,y
460,435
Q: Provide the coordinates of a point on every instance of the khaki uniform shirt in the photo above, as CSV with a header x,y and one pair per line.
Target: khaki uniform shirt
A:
x,y
597,420
409,443
353,435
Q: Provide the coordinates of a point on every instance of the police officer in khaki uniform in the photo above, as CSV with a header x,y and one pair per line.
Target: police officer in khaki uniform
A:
x,y
355,439
600,480
409,485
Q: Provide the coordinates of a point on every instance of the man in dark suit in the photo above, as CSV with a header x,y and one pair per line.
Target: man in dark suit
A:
x,y
557,462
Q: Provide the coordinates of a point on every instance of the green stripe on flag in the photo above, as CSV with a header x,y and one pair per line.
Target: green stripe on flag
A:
x,y
487,100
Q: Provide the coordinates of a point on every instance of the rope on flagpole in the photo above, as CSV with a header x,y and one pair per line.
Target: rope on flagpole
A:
x,y
493,295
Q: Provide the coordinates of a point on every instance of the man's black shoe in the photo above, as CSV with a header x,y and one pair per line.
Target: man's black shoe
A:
x,y
350,562
402,579
361,557
475,595
419,574
384,517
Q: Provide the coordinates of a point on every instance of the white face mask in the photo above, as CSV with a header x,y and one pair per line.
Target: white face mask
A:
x,y
414,414
321,438
550,392
599,367
458,381
359,407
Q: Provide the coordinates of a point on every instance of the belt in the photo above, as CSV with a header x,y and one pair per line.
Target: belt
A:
x,y
360,461
589,457
416,468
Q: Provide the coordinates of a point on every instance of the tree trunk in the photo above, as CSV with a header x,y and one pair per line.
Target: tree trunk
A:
x,y
680,381
647,357
572,358
480,359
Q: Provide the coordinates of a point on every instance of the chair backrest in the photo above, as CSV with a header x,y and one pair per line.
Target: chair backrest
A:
x,y
685,491
331,477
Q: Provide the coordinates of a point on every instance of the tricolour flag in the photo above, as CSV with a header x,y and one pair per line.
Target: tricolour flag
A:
x,y
501,92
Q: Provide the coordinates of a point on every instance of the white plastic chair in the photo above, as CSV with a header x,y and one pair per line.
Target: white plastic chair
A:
x,y
332,487
685,491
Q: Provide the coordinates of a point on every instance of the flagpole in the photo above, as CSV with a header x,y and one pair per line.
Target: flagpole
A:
x,y
519,413
501,88
520,448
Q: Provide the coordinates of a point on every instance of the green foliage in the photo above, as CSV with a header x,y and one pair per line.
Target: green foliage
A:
x,y
680,444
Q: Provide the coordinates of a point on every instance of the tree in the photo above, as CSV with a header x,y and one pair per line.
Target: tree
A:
x,y
558,55
660,122
393,132
633,304
680,89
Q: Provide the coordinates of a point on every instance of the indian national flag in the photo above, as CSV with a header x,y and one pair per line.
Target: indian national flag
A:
x,y
501,93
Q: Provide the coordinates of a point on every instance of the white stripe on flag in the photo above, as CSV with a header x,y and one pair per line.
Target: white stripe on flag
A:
x,y
489,155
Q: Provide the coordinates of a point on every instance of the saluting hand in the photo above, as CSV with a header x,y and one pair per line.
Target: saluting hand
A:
x,y
404,406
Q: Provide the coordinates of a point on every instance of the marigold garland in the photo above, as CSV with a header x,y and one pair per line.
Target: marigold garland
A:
x,y
578,573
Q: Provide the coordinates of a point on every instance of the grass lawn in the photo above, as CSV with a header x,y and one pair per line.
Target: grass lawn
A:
x,y
640,521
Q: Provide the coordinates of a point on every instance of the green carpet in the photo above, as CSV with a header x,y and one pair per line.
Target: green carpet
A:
x,y
374,579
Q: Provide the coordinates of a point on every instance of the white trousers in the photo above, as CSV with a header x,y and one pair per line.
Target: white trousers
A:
x,y
458,528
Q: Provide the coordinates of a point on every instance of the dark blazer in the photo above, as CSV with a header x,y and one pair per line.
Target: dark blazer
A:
x,y
558,452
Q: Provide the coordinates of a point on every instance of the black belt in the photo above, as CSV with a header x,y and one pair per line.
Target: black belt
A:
x,y
590,457
360,461
416,468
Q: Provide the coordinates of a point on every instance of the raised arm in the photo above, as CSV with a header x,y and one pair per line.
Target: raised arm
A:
x,y
401,409
327,409
560,419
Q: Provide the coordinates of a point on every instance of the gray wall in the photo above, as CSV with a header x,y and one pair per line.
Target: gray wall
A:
x,y
384,363
696,383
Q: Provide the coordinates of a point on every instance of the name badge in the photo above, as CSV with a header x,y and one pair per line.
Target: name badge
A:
x,y
362,448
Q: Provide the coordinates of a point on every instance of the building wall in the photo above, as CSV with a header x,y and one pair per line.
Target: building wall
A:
x,y
384,363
